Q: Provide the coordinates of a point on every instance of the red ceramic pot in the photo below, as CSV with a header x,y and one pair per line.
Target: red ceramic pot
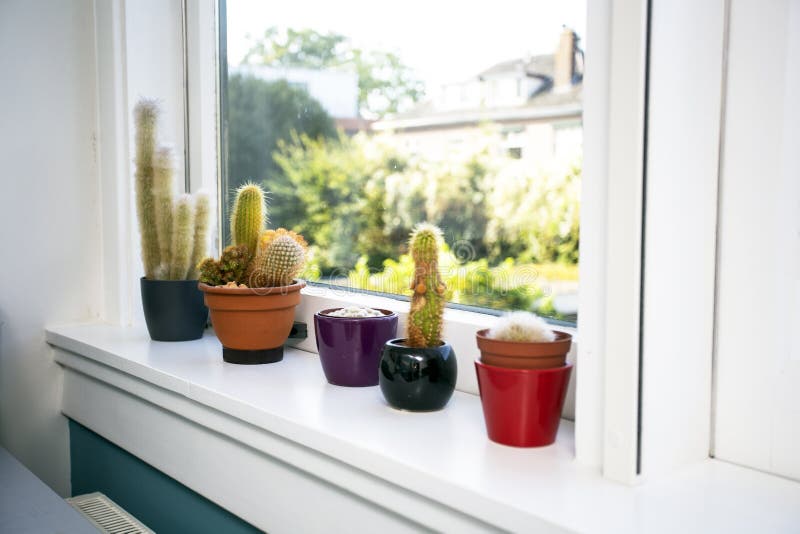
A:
x,y
522,407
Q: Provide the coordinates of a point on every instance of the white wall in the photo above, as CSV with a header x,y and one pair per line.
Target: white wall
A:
x,y
49,216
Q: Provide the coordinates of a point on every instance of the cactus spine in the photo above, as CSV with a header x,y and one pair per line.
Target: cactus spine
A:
x,y
146,117
182,238
174,234
427,301
248,218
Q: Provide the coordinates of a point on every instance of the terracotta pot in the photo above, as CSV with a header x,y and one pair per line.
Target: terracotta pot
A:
x,y
252,323
518,355
522,407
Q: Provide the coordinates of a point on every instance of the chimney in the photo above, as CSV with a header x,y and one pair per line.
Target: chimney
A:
x,y
564,65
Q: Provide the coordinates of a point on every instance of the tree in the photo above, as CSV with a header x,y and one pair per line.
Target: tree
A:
x,y
261,115
339,187
385,84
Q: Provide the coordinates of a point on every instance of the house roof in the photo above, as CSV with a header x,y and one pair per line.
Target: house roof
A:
x,y
544,104
536,65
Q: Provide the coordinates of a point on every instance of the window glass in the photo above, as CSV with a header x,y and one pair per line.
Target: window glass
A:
x,y
362,120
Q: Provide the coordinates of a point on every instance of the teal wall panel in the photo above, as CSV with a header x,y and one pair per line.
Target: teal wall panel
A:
x,y
160,502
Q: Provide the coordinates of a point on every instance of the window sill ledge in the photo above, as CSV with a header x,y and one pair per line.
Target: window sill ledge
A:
x,y
212,425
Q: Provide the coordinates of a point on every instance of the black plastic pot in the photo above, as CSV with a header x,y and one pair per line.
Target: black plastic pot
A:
x,y
173,309
417,379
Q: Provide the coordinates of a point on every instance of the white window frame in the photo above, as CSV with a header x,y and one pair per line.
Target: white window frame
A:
x,y
615,432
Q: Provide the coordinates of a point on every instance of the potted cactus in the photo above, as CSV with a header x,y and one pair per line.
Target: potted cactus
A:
x,y
419,373
349,342
174,232
252,289
523,378
522,340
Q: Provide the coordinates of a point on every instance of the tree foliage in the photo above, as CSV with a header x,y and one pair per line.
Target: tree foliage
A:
x,y
385,83
261,115
358,197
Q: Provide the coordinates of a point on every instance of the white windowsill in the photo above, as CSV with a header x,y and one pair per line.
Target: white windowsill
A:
x,y
442,460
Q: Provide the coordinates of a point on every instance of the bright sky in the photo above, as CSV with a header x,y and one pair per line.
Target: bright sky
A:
x,y
443,40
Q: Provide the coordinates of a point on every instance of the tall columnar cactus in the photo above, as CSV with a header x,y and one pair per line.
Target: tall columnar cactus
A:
x,y
248,218
202,212
163,197
427,301
174,234
182,231
146,119
280,256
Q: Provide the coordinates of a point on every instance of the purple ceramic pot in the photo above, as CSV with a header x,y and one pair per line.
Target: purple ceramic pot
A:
x,y
350,347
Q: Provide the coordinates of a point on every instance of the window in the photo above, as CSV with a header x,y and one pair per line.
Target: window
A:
x,y
321,107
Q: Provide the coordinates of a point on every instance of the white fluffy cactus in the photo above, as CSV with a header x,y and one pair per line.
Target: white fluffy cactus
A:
x,y
183,228
174,234
146,116
164,199
522,327
202,212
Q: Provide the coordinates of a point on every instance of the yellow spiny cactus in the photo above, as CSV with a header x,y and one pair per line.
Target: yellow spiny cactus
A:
x,y
249,216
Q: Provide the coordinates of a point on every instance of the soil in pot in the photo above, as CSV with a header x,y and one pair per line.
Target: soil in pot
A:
x,y
173,309
417,379
519,355
350,347
252,323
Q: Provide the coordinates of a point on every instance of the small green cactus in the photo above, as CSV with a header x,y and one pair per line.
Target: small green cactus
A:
x,y
230,267
281,255
427,301
248,218
233,263
163,197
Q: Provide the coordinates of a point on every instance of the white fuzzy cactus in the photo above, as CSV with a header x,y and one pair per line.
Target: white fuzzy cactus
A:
x,y
522,327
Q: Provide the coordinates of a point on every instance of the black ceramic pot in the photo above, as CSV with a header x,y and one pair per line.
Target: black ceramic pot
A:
x,y
173,309
417,379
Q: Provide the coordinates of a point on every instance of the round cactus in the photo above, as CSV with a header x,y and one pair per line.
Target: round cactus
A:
x,y
233,263
427,301
280,258
522,327
248,218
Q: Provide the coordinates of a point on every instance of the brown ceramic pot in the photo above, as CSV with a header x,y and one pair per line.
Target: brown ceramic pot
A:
x,y
520,355
252,319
